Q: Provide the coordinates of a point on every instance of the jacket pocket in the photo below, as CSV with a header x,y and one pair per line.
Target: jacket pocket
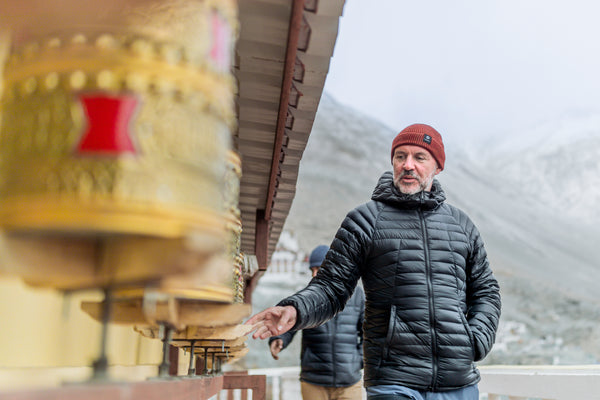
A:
x,y
385,354
469,331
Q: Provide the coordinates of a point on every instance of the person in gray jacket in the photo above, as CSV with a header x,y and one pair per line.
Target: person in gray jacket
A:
x,y
432,302
331,356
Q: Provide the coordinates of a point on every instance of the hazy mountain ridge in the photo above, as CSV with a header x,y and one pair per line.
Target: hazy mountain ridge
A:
x,y
541,237
345,155
564,174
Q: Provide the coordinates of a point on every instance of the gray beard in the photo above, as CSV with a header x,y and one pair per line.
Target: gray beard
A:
x,y
423,184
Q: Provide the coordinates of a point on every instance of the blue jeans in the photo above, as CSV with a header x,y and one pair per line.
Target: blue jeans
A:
x,y
397,392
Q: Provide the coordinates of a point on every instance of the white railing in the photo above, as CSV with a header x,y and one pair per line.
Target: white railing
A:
x,y
497,382
541,382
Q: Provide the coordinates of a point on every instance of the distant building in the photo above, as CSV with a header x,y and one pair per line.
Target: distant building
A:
x,y
288,258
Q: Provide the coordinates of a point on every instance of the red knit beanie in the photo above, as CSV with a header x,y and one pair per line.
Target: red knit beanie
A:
x,y
424,136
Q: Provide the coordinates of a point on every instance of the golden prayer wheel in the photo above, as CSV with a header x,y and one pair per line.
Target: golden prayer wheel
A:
x,y
216,282
114,139
234,224
233,174
239,282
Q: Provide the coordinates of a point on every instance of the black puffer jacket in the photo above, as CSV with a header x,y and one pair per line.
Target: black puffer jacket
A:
x,y
332,353
432,302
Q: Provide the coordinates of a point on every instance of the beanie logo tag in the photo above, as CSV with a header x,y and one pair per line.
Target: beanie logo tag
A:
x,y
427,139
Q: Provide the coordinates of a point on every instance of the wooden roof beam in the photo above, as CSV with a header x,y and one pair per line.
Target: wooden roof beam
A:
x,y
288,75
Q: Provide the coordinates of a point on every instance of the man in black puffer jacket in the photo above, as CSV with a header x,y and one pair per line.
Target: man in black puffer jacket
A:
x,y
432,301
331,357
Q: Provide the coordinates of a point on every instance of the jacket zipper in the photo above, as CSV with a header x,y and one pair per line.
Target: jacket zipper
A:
x,y
333,354
431,302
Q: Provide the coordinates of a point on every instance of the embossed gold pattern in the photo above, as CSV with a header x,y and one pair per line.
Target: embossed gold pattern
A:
x,y
169,183
234,224
182,140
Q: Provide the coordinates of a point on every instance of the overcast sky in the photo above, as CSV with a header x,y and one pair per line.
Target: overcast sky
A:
x,y
473,69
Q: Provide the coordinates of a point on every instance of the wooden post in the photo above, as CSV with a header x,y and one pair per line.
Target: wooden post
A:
x,y
173,360
241,380
261,244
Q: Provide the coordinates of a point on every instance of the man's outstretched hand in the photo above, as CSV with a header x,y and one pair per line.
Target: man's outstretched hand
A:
x,y
273,321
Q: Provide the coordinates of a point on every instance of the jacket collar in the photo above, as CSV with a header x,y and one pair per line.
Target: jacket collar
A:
x,y
386,192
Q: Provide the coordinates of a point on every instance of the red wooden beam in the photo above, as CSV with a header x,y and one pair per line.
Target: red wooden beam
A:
x,y
251,285
261,239
241,380
173,360
288,75
180,389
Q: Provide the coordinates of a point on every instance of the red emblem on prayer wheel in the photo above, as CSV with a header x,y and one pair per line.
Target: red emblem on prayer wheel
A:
x,y
109,121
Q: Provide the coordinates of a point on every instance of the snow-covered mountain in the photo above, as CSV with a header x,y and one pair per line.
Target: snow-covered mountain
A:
x,y
557,163
534,201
